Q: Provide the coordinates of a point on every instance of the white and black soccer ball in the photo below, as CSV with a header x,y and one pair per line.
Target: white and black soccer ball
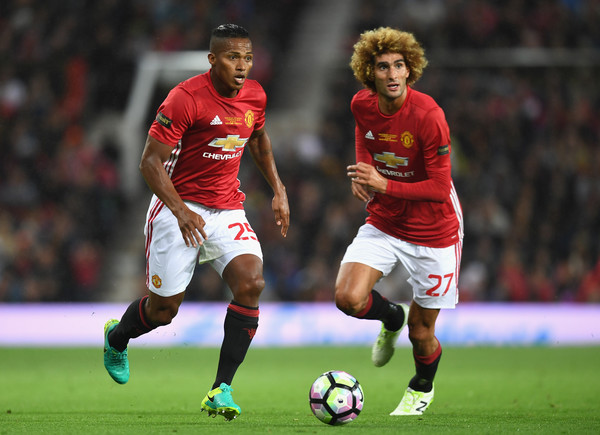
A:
x,y
336,397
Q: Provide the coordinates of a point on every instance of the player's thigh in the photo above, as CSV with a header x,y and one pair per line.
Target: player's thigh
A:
x,y
354,283
372,247
169,262
231,236
244,275
433,274
367,259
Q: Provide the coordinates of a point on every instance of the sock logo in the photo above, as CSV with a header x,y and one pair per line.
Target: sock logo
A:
x,y
251,332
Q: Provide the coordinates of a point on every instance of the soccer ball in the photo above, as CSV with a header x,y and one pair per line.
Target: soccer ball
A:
x,y
336,397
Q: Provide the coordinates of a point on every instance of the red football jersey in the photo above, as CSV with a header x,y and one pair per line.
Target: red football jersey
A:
x,y
208,133
410,148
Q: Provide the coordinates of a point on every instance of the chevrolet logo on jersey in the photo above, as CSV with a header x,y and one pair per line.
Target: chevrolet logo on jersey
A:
x,y
390,159
231,143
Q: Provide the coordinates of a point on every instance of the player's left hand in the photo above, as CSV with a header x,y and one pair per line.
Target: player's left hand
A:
x,y
281,209
366,175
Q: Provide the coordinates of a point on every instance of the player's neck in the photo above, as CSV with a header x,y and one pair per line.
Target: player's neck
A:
x,y
389,106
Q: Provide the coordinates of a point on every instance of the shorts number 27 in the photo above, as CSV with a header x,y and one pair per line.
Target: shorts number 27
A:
x,y
434,290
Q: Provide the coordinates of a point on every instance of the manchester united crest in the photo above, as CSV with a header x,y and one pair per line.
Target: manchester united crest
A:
x,y
249,118
156,281
407,139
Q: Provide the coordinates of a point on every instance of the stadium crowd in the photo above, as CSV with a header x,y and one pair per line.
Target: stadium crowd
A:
x,y
526,145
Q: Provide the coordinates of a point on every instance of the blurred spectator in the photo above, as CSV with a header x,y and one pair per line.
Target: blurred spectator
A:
x,y
589,290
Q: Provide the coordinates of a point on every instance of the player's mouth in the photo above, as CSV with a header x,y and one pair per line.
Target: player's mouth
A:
x,y
393,86
239,79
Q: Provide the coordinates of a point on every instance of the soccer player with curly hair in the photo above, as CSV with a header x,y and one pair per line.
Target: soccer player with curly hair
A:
x,y
403,173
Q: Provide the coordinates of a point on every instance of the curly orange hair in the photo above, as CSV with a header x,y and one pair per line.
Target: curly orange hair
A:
x,y
386,40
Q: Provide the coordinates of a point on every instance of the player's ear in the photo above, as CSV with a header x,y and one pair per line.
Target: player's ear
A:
x,y
212,58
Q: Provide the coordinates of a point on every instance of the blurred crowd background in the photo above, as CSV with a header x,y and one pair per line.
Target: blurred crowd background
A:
x,y
525,141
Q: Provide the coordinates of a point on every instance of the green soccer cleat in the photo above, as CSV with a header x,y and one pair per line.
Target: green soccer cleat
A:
x,y
383,348
115,362
413,402
220,402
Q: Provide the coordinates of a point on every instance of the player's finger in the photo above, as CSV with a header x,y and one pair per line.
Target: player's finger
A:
x,y
285,224
188,239
197,237
202,233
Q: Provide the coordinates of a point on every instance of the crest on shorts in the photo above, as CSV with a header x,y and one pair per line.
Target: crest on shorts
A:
x,y
156,281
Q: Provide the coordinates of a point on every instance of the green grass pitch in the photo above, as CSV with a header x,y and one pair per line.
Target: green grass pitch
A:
x,y
479,390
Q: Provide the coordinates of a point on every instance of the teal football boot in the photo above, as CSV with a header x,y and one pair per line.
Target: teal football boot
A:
x,y
220,402
115,362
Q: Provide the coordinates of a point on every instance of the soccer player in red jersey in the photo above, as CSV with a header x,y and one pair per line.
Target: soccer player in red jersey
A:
x,y
191,162
414,217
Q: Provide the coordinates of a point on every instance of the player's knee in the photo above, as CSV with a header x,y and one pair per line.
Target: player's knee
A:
x,y
249,289
418,333
348,303
164,314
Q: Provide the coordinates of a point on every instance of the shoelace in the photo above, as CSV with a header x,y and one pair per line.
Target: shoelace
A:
x,y
119,357
383,337
226,388
225,393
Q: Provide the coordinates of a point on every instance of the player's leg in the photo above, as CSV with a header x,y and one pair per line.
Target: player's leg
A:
x,y
355,296
141,316
434,276
244,276
427,352
170,265
368,258
117,334
427,349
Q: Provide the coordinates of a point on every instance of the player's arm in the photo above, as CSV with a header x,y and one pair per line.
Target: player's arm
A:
x,y
436,188
261,150
436,153
359,190
152,168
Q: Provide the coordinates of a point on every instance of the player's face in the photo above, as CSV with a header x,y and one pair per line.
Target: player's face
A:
x,y
231,62
391,73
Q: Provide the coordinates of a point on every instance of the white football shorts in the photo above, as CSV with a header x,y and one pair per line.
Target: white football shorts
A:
x,y
170,263
433,271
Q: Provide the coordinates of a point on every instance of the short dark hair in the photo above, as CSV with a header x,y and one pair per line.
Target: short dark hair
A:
x,y
229,31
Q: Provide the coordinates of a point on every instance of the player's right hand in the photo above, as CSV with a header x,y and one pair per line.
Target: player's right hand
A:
x,y
360,191
192,227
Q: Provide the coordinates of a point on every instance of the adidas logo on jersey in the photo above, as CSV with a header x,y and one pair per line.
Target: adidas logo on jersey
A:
x,y
216,121
369,135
